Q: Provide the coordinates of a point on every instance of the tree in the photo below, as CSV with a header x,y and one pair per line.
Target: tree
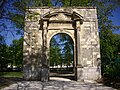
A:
x,y
21,6
12,54
61,50
2,3
68,54
55,56
67,50
108,41
16,52
55,53
3,49
67,3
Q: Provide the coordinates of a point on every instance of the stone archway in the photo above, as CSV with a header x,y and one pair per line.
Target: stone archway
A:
x,y
79,23
65,66
63,32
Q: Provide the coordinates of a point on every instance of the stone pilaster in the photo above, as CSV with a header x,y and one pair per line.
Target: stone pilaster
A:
x,y
79,64
44,67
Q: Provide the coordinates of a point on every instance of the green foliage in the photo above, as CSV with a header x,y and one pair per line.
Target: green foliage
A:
x,y
3,52
109,54
109,50
55,56
18,22
108,44
3,59
68,55
61,51
11,54
112,71
21,6
16,50
68,50
67,3
104,10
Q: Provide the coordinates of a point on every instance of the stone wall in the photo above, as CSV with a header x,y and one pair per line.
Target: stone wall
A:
x,y
80,23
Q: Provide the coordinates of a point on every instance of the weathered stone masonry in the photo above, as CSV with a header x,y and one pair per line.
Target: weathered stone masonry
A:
x,y
80,23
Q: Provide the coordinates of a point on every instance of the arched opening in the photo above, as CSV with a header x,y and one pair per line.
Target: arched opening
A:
x,y
61,56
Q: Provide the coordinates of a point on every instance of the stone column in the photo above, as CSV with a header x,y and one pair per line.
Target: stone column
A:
x,y
78,55
44,62
79,62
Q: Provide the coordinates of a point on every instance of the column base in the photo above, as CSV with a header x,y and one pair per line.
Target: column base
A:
x,y
38,74
88,73
44,74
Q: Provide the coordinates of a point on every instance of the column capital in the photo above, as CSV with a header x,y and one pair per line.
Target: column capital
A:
x,y
77,24
45,24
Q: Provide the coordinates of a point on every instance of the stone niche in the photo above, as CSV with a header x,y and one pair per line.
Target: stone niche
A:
x,y
80,23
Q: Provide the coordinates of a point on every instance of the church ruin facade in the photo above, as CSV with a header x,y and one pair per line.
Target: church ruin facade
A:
x,y
80,23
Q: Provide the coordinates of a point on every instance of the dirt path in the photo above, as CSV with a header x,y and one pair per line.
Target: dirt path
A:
x,y
57,84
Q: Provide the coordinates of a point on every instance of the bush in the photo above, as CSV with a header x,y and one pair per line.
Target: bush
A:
x,y
112,70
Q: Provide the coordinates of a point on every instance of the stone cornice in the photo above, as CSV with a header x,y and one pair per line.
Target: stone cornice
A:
x,y
53,7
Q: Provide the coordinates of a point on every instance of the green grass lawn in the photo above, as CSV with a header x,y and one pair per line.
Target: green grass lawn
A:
x,y
11,74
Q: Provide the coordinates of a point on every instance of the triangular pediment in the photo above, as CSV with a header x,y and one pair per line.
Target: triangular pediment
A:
x,y
61,17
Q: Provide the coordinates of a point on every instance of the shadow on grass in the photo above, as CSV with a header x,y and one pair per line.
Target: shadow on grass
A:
x,y
6,81
8,78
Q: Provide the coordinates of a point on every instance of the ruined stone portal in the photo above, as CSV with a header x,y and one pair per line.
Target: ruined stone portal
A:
x,y
80,23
